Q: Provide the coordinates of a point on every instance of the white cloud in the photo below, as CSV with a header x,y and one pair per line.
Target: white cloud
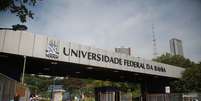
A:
x,y
113,23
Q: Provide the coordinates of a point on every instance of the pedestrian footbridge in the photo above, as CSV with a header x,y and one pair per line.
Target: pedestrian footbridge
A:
x,y
38,54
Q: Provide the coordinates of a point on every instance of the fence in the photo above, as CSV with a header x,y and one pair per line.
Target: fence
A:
x,y
10,88
192,97
164,97
174,97
7,88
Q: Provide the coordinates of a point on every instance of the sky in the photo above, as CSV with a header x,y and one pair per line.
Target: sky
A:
x,y
108,24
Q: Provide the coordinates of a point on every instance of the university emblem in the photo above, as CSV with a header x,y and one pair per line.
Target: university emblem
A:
x,y
52,50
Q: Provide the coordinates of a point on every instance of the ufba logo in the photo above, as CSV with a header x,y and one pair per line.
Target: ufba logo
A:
x,y
52,50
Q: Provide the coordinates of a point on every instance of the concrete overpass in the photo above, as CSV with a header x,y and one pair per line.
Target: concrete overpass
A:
x,y
50,56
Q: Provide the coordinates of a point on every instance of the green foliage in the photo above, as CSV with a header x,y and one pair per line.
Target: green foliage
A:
x,y
19,27
37,84
191,78
72,83
176,60
178,86
19,7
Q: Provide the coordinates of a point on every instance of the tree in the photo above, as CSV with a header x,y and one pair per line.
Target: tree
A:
x,y
19,27
191,78
176,60
19,7
37,84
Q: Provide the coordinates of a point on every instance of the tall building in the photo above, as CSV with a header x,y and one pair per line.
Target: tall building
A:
x,y
176,47
122,50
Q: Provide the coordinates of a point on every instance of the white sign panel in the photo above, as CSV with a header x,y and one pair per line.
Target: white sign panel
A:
x,y
167,89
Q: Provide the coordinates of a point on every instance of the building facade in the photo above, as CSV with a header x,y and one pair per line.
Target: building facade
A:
x,y
176,47
122,50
